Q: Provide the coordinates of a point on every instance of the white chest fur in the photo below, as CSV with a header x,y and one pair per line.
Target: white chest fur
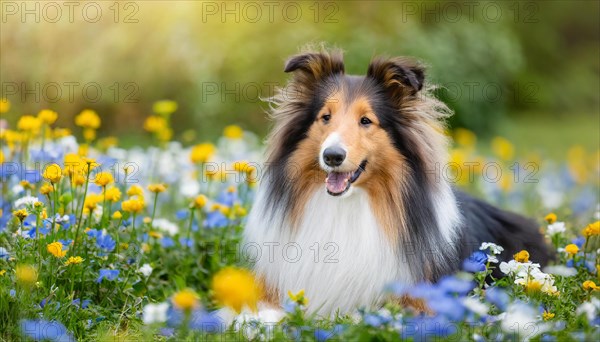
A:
x,y
338,255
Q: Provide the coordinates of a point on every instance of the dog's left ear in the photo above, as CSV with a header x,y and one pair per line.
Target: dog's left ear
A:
x,y
399,75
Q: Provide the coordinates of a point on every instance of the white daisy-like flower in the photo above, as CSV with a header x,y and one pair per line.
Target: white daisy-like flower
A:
x,y
556,228
155,313
25,201
491,247
166,226
146,270
475,306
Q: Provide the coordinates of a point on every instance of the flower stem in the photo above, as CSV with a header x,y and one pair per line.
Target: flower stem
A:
x,y
87,181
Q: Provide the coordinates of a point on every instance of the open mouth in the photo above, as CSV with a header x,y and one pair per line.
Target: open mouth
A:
x,y
338,183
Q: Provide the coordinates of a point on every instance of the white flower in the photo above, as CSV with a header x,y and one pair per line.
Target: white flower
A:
x,y
556,228
492,247
146,270
155,313
166,226
560,270
475,306
17,189
492,258
590,309
25,201
523,320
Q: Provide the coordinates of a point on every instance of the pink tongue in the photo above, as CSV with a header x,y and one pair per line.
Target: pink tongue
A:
x,y
335,181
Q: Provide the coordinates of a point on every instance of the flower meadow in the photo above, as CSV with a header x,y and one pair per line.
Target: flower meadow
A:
x,y
100,242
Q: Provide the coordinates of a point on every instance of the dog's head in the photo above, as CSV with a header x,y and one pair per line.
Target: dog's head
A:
x,y
355,131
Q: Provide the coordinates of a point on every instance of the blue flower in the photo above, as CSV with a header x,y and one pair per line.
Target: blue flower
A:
x,y
425,327
323,335
373,320
39,329
105,242
215,219
77,303
32,176
453,284
182,214
476,262
167,242
186,242
108,274
4,253
579,241
498,297
66,243
206,322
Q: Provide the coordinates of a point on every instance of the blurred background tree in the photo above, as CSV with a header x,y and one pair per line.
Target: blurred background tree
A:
x,y
497,63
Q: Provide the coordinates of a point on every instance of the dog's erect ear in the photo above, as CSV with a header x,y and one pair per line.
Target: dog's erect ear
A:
x,y
317,65
399,75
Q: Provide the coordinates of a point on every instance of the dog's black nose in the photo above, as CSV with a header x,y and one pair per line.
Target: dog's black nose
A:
x,y
334,156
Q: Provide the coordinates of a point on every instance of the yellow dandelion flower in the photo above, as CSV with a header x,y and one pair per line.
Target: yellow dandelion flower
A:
x,y
147,219
4,105
58,133
200,201
157,188
522,256
46,189
298,298
56,249
465,137
2,272
47,116
74,260
233,132
88,119
547,315
117,215
164,107
25,184
551,218
78,180
133,205
533,286
26,274
236,288
503,148
112,194
29,123
53,173
92,200
155,123
572,249
202,153
104,178
155,234
186,300
135,190
591,229
21,214
589,285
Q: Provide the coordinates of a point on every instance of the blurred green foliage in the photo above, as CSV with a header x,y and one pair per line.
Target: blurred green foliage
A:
x,y
491,59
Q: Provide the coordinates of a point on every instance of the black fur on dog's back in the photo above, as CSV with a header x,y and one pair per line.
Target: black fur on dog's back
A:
x,y
483,222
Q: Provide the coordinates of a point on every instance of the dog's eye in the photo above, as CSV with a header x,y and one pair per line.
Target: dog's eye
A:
x,y
326,118
365,121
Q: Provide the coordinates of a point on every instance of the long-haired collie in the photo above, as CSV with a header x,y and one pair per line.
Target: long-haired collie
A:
x,y
350,200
